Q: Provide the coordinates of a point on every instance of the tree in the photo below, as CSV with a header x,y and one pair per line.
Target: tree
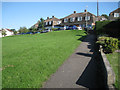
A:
x,y
41,24
15,32
23,30
12,30
4,32
32,29
106,16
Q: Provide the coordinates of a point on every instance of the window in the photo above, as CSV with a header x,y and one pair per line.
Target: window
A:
x,y
66,20
46,23
87,18
116,14
58,22
72,19
49,22
79,18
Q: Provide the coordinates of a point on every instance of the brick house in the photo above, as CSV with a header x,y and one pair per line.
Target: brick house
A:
x,y
114,14
79,19
52,22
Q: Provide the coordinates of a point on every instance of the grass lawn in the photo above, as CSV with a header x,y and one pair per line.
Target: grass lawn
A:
x,y
29,60
113,59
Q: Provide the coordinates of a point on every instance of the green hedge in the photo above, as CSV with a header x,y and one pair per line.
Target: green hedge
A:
x,y
108,27
109,44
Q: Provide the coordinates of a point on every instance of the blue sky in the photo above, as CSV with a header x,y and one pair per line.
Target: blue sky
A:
x,y
19,14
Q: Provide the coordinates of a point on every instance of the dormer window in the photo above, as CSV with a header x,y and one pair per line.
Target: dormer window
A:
x,y
72,19
79,18
116,14
87,18
66,20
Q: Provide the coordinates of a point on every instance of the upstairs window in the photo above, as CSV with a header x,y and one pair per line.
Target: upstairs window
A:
x,y
72,19
46,23
79,18
50,22
66,20
58,22
116,14
87,18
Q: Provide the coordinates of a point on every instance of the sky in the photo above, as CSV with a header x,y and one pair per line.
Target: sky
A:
x,y
19,14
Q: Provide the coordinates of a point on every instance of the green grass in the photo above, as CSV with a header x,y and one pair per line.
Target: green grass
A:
x,y
113,59
29,60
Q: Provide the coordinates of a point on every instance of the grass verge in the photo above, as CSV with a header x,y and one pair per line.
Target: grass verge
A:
x,y
114,61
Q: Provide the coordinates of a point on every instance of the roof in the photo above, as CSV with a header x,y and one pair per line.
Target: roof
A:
x,y
117,10
9,30
52,19
77,14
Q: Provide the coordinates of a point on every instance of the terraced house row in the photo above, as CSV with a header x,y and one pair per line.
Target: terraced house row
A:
x,y
82,19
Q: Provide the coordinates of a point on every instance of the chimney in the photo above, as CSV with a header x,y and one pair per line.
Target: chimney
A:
x,y
85,10
47,17
52,16
74,11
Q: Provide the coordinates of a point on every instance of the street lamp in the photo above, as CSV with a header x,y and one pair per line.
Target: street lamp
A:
x,y
86,16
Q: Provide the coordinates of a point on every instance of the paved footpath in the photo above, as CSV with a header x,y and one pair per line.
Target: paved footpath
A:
x,y
79,71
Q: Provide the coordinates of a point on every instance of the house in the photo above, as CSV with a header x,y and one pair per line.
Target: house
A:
x,y
0,33
114,14
52,23
79,19
101,18
36,25
7,31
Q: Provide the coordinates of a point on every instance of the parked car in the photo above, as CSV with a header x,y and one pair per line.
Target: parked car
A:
x,y
79,28
29,33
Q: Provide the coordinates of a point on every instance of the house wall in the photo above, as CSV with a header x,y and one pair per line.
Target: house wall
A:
x,y
111,15
0,33
9,33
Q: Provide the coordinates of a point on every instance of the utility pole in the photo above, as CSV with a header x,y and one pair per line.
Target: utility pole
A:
x,y
97,9
86,16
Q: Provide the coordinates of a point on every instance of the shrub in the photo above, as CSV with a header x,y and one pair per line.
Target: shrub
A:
x,y
53,29
109,44
108,27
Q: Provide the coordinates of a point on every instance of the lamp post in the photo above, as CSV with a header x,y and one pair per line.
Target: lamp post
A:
x,y
86,16
86,19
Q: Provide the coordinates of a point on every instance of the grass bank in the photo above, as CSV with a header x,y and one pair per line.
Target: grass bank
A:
x,y
114,61
29,60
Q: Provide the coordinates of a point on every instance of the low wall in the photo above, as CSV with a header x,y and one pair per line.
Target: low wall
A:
x,y
110,72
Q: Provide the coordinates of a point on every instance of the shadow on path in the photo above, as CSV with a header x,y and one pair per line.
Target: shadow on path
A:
x,y
94,75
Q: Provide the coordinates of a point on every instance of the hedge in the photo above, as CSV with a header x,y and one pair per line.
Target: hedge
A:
x,y
112,28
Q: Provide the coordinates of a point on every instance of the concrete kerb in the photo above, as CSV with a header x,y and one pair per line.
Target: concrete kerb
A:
x,y
110,72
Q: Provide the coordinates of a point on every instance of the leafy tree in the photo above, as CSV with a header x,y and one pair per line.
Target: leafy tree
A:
x,y
15,32
23,30
41,24
106,16
12,30
4,32
32,29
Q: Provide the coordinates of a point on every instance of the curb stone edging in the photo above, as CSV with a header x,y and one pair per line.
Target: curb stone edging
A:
x,y
110,72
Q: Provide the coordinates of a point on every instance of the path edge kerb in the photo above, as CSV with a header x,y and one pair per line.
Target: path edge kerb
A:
x,y
110,72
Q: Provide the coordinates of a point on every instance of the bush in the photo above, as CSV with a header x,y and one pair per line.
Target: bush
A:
x,y
108,27
109,44
53,29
